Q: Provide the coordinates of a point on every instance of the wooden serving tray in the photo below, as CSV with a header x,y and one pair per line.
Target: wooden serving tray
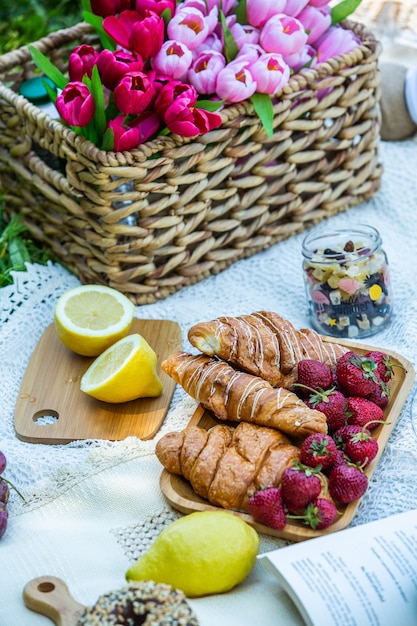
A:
x,y
182,497
51,408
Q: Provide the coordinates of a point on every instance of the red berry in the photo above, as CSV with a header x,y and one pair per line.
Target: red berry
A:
x,y
380,396
332,403
361,448
266,507
318,449
384,365
356,375
3,519
363,412
347,483
320,513
299,486
342,434
313,374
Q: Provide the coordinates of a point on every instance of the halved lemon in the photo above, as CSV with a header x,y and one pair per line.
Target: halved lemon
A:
x,y
90,318
125,371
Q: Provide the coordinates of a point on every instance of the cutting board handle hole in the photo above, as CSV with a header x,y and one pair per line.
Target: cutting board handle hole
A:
x,y
47,417
46,587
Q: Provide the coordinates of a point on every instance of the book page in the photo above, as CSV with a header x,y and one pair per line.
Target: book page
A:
x,y
366,575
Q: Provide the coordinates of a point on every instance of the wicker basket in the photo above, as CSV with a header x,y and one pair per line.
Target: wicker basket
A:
x,y
194,206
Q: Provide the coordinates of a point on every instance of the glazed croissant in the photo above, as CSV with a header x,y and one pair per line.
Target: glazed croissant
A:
x,y
226,465
263,344
237,396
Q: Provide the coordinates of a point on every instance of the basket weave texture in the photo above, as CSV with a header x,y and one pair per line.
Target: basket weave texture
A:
x,y
174,211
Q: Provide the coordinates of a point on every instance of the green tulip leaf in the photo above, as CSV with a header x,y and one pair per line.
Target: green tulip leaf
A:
x,y
264,110
209,105
342,10
97,90
240,12
108,140
97,23
230,46
47,67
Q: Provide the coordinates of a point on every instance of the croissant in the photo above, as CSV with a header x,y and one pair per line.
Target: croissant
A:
x,y
237,396
263,344
227,465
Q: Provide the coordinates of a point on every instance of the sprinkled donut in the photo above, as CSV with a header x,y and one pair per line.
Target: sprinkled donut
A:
x,y
144,603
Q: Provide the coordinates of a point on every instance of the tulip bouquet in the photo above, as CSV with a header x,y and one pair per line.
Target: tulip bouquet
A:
x,y
169,66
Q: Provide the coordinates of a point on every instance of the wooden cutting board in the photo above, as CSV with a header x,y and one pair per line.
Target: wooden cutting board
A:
x,y
50,407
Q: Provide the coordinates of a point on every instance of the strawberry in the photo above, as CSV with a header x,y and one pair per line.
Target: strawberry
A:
x,y
347,483
356,375
342,435
313,374
320,513
266,507
361,447
363,412
299,486
380,396
318,449
384,365
330,402
338,460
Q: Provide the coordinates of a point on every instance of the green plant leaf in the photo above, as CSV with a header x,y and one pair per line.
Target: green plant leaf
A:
x,y
18,253
264,110
97,23
209,105
240,12
342,10
108,140
46,66
230,46
100,120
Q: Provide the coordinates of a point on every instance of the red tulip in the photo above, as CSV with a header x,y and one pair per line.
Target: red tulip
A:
x,y
114,65
81,62
75,104
128,136
189,121
134,93
143,34
103,8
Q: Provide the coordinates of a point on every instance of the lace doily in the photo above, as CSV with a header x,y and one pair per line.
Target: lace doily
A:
x,y
269,280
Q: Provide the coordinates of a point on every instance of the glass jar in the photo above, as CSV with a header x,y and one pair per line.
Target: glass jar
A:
x,y
347,282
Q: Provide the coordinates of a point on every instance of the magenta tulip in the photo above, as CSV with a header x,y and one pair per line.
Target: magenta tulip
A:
x,y
81,62
204,70
104,8
259,11
128,136
235,82
172,91
75,104
157,6
270,72
114,65
135,32
191,27
335,41
294,7
173,60
315,21
134,93
189,121
283,34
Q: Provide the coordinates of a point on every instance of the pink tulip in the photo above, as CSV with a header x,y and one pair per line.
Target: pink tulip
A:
x,y
318,3
189,121
250,52
81,62
191,27
260,11
294,7
283,34
173,60
235,82
335,41
134,93
172,91
213,43
306,57
270,72
156,6
315,21
204,70
75,104
244,33
104,8
227,6
114,65
141,34
128,136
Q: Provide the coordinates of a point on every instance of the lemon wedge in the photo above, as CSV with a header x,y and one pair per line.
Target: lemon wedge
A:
x,y
123,372
90,318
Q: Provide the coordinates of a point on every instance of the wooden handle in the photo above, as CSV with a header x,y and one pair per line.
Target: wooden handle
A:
x,y
50,596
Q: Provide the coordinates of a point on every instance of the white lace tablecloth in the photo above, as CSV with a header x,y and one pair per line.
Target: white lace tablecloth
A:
x,y
92,507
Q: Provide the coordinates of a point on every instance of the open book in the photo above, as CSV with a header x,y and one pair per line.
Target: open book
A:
x,y
361,576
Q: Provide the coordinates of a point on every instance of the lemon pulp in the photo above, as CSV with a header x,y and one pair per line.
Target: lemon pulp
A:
x,y
90,318
125,371
201,553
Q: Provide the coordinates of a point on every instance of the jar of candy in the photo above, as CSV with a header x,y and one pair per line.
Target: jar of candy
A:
x,y
347,282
